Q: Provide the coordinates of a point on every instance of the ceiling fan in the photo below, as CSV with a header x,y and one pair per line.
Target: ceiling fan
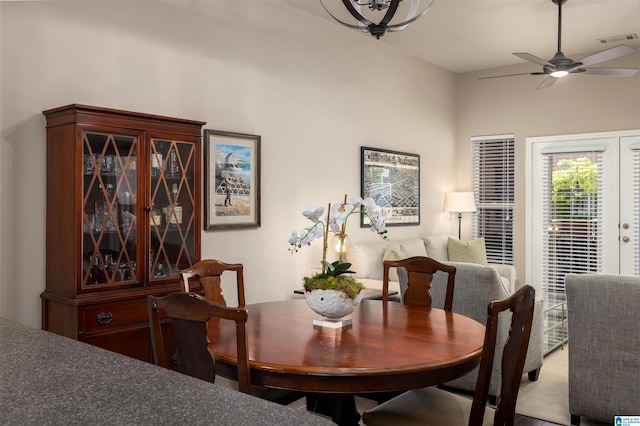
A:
x,y
560,66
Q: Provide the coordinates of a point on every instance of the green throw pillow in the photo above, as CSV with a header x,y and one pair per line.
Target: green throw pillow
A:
x,y
393,253
473,251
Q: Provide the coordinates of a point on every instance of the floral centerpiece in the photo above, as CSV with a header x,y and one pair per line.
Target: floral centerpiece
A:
x,y
333,275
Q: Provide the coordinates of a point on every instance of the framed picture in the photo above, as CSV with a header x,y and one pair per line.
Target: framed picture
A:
x,y
392,179
232,180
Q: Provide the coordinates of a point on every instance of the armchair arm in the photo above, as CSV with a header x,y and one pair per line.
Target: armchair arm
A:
x,y
508,272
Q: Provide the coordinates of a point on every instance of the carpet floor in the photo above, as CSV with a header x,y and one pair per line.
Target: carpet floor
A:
x,y
548,398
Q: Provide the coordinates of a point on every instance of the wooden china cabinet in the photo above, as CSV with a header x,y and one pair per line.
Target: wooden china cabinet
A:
x,y
123,218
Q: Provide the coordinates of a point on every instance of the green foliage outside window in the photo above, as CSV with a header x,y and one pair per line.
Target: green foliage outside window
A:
x,y
575,188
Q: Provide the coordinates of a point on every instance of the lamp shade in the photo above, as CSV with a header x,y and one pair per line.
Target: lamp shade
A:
x,y
459,202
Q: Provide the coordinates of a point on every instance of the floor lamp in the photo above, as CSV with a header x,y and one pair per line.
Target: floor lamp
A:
x,y
459,202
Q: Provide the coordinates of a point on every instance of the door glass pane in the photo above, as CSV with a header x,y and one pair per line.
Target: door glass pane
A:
x,y
172,220
109,217
573,217
573,231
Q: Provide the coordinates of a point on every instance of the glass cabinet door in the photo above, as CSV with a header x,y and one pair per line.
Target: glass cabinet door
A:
x,y
172,202
110,216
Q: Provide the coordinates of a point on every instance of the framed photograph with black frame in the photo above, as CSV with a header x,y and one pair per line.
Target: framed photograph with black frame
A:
x,y
392,179
232,180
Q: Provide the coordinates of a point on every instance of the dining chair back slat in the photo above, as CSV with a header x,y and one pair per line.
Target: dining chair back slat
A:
x,y
208,272
191,316
419,274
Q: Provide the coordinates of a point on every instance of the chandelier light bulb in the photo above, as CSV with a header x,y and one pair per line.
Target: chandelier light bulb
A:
x,y
377,4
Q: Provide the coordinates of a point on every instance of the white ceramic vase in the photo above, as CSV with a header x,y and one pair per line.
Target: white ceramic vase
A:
x,y
332,303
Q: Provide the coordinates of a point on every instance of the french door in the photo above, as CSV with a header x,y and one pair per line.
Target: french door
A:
x,y
584,201
583,215
630,205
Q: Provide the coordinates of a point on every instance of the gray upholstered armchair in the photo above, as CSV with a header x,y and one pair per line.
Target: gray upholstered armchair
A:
x,y
604,343
475,287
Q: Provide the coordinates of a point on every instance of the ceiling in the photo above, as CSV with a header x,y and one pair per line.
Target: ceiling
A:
x,y
471,35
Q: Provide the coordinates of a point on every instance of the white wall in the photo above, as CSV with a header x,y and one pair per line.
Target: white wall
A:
x,y
575,104
314,91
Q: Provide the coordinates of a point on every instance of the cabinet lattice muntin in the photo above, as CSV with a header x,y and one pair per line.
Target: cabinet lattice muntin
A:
x,y
110,199
172,207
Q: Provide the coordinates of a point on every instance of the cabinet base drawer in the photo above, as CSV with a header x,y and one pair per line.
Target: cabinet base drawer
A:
x,y
109,316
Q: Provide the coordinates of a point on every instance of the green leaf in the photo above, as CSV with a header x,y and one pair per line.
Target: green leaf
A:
x,y
337,268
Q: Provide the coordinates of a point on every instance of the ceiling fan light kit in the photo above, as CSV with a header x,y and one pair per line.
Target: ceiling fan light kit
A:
x,y
386,8
560,66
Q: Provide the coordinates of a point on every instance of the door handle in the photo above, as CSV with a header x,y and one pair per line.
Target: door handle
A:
x,y
625,239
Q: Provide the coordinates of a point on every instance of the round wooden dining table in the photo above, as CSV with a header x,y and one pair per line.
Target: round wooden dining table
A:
x,y
388,347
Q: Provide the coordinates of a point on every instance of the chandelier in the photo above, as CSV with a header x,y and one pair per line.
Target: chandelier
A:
x,y
385,8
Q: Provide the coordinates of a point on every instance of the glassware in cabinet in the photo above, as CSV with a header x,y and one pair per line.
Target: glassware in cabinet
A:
x,y
173,207
109,243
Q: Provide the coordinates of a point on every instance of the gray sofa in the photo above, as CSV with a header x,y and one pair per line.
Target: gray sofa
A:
x,y
604,346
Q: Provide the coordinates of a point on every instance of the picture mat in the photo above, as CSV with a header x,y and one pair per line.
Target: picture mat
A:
x,y
233,162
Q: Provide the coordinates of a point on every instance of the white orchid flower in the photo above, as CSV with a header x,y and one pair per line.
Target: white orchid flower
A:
x,y
375,212
306,238
377,221
369,204
311,233
340,212
293,238
313,212
356,202
338,216
317,231
379,224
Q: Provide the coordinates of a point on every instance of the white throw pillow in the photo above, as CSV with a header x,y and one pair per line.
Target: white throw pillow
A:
x,y
393,252
366,259
413,247
437,247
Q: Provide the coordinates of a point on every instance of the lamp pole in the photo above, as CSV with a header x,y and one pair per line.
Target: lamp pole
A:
x,y
459,202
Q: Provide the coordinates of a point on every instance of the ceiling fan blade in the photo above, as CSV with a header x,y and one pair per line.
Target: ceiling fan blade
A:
x,y
606,55
532,58
547,82
506,75
617,72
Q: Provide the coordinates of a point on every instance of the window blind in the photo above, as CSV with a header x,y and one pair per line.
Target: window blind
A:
x,y
572,216
493,186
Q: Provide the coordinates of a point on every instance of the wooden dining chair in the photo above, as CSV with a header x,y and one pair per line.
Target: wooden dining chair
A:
x,y
435,406
209,272
420,271
190,314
